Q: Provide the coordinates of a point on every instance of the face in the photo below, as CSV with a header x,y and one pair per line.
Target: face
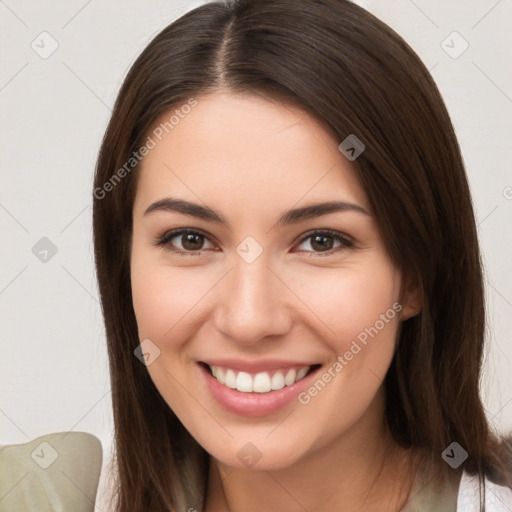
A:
x,y
270,322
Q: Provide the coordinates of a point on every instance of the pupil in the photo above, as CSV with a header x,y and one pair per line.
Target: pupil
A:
x,y
321,245
188,241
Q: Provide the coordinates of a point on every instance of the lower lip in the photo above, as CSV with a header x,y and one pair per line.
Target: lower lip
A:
x,y
254,404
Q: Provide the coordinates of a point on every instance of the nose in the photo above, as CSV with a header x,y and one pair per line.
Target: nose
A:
x,y
253,303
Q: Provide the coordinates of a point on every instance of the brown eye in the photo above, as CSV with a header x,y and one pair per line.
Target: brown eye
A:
x,y
183,241
322,243
325,242
192,241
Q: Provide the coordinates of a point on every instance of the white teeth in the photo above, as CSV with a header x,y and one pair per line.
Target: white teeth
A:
x,y
259,383
277,381
301,373
230,379
290,377
244,382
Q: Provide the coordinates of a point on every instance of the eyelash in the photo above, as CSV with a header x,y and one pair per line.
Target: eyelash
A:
x,y
163,241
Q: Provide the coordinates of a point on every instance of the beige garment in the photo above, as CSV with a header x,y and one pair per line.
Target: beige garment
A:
x,y
429,495
54,473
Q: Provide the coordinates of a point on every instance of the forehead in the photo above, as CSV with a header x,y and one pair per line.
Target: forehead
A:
x,y
245,148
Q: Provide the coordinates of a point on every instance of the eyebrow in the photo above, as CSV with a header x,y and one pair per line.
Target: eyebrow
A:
x,y
293,216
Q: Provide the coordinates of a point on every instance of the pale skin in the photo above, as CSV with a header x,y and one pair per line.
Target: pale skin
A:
x,y
251,160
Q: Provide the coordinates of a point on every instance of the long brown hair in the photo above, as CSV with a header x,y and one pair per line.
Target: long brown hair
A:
x,y
357,76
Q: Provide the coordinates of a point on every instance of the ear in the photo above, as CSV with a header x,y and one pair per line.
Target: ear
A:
x,y
412,298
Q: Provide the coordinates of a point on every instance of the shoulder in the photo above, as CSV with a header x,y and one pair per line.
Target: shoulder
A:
x,y
497,498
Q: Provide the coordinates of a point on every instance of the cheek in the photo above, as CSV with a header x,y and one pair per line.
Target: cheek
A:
x,y
362,312
163,301
156,305
350,301
163,297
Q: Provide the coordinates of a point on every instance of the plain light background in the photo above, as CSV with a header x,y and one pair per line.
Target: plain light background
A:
x,y
54,110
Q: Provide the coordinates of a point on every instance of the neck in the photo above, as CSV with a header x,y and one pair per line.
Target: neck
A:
x,y
362,469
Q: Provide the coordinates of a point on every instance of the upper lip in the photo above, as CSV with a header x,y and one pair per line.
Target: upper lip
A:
x,y
255,366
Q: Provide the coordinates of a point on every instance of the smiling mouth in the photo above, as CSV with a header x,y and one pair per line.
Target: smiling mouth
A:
x,y
261,382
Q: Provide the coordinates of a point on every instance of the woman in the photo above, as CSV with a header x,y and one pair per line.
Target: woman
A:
x,y
289,272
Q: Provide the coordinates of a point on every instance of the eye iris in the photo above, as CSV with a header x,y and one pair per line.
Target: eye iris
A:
x,y
192,241
320,240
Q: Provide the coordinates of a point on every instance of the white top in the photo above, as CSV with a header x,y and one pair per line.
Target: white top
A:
x,y
497,498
